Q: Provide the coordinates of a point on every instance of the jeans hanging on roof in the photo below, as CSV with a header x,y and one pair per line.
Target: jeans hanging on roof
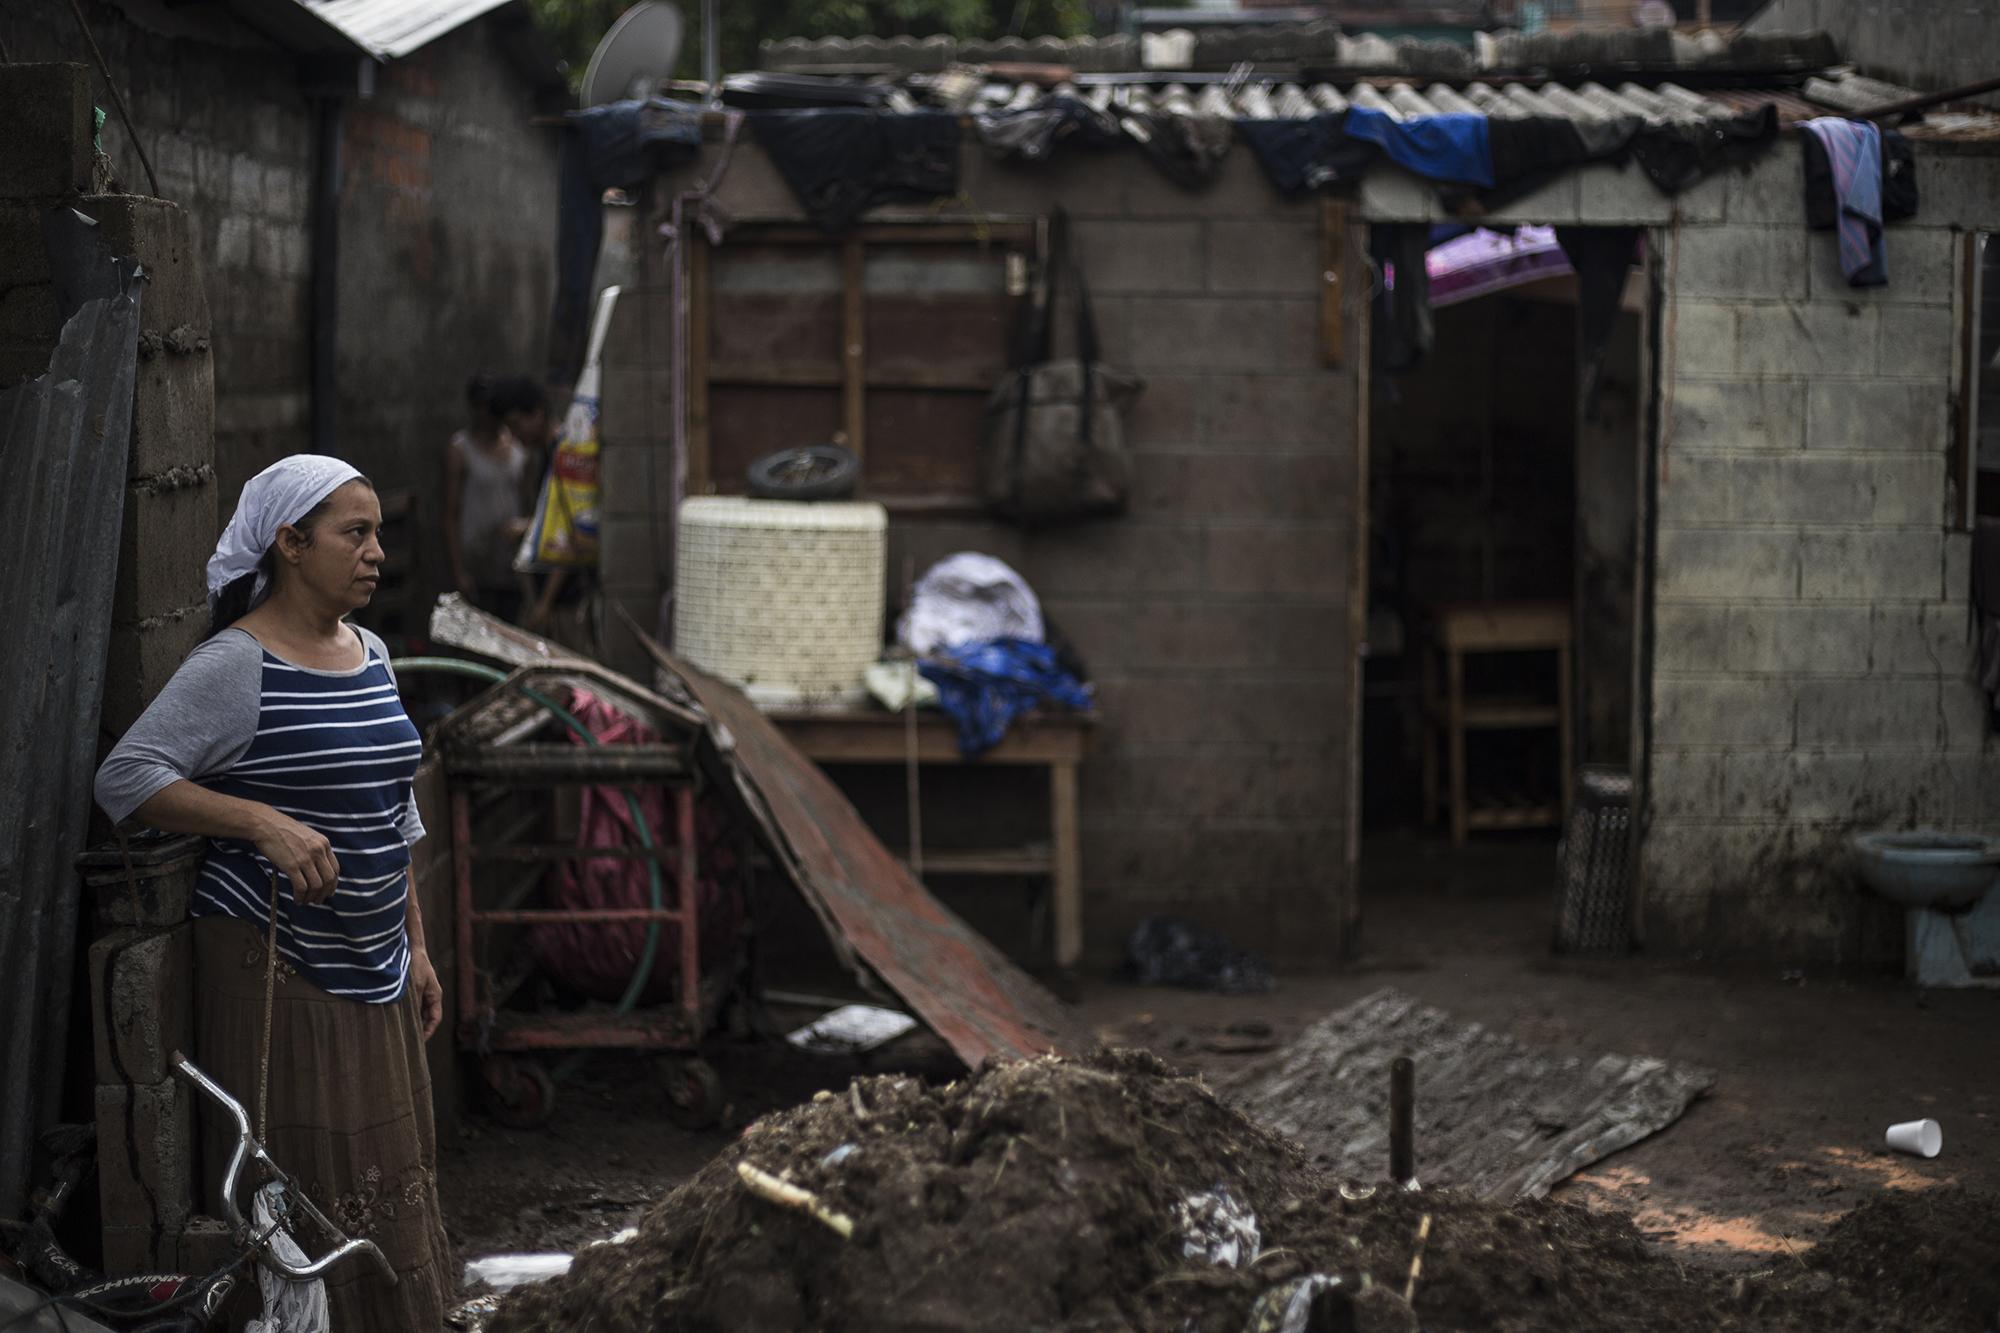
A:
x,y
1854,158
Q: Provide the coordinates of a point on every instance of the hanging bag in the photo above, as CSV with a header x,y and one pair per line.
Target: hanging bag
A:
x,y
1054,445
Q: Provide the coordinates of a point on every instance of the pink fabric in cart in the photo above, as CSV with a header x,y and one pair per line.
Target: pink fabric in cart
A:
x,y
599,959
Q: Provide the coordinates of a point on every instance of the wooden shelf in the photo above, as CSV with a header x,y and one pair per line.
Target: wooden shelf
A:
x,y
1501,714
996,861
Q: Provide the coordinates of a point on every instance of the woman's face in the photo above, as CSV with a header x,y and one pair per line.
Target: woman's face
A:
x,y
341,561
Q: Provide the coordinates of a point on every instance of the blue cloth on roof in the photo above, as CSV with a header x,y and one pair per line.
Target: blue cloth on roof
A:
x,y
984,685
1854,153
1442,148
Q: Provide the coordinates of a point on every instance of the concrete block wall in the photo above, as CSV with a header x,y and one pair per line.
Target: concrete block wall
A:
x,y
1214,615
1812,664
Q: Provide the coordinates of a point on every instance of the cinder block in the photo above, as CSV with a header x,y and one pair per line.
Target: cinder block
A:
x,y
1738,414
1715,710
1690,636
1878,415
28,315
173,410
1966,713
630,549
1908,490
1767,192
246,184
1704,338
1933,639
1144,257
1686,784
1875,713
1267,488
1220,334
158,235
1810,488
1172,412
1922,264
1888,563
1390,194
1557,203
141,1000
635,479
169,527
1743,263
1240,189
1609,196
1959,190
637,403
1310,411
1698,488
1798,640
24,257
154,893
1091,185
49,151
1917,341
129,1251
1281,257
1314,562
1957,566
143,656
1727,563
233,240
1814,338
145,1157
1976,788
1115,558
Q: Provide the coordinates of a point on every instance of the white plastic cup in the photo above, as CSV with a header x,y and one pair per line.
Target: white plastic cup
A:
x,y
1919,1138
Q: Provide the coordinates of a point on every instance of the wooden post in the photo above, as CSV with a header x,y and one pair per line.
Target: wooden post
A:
x,y
1332,261
1067,883
853,350
700,476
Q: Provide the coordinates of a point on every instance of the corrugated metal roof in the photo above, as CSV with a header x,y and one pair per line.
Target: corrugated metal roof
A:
x,y
392,29
1324,46
1585,100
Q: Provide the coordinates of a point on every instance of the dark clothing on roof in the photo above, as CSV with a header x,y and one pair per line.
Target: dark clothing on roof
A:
x,y
1032,133
1300,155
1899,181
1440,148
841,163
1188,150
1676,156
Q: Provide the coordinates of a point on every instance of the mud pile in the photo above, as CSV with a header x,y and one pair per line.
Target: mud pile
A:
x,y
1055,1194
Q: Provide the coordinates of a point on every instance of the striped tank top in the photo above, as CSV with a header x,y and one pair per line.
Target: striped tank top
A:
x,y
335,751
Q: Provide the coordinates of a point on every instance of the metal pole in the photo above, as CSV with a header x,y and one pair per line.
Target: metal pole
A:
x,y
711,48
1402,1116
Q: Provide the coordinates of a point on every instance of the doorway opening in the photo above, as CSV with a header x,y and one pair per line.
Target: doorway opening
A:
x,y
1505,518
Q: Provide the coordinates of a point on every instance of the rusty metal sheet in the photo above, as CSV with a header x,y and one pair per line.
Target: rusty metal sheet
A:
x,y
64,440
878,918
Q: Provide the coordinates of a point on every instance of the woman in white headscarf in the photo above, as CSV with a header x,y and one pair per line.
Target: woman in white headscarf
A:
x,y
283,741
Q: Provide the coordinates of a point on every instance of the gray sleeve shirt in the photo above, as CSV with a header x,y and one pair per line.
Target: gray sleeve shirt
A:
x,y
202,723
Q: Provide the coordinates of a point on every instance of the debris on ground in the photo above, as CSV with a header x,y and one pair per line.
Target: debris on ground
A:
x,y
1064,1194
1167,951
1495,1117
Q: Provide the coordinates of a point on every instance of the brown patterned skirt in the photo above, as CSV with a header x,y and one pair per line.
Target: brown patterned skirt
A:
x,y
350,1121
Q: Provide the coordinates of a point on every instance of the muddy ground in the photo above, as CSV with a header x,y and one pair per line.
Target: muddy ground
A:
x,y
1810,1067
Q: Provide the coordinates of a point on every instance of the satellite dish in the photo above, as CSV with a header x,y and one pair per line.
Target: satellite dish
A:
x,y
638,52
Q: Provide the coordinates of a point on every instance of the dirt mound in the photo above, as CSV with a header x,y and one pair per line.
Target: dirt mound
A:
x,y
1053,1194
1935,1254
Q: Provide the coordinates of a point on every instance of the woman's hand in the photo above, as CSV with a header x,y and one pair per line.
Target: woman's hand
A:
x,y
301,855
430,995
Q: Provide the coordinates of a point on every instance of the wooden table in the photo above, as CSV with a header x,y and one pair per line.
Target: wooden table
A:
x,y
1054,741
1463,629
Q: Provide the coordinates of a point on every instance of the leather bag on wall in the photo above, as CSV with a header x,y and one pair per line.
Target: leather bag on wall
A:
x,y
1054,445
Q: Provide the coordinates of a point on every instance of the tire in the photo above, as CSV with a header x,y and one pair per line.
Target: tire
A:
x,y
811,472
520,1093
694,1093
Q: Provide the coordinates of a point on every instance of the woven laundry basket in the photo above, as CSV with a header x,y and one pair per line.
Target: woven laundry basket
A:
x,y
782,598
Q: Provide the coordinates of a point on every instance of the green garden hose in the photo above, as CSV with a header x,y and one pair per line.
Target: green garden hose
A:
x,y
492,675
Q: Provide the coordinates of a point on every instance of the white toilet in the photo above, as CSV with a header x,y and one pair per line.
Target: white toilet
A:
x,y
1945,883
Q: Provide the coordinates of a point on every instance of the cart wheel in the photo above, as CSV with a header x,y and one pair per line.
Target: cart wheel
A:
x,y
694,1093
520,1093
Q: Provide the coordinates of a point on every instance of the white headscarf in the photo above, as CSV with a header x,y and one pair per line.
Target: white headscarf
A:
x,y
282,493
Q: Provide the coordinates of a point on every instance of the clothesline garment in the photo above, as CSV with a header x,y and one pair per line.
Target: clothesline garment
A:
x,y
332,749
1854,156
840,162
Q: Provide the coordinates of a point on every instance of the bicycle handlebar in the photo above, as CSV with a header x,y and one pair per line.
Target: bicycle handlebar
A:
x,y
249,1149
